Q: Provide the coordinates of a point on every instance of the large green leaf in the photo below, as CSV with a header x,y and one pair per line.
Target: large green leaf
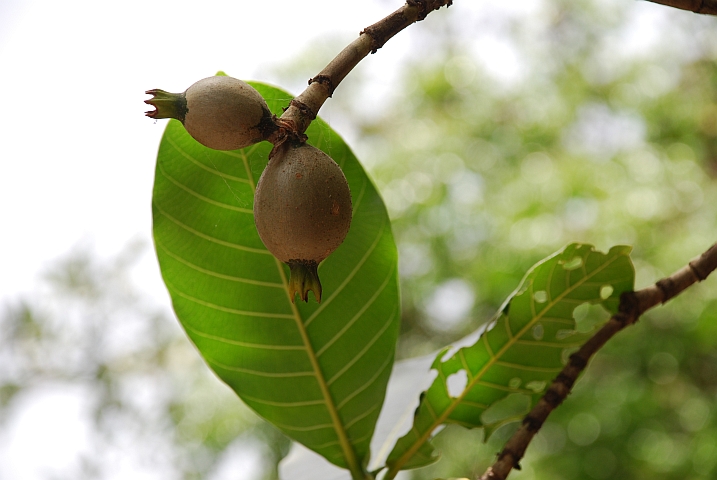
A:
x,y
522,351
316,371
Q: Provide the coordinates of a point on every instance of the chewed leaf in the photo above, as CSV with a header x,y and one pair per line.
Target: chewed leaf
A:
x,y
522,351
316,371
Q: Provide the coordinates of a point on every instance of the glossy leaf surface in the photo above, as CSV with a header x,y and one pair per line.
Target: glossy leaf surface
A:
x,y
316,371
522,351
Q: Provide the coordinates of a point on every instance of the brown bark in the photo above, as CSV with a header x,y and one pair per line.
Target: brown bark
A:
x,y
304,108
707,7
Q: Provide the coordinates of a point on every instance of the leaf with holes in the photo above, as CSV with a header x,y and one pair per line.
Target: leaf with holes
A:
x,y
523,350
316,371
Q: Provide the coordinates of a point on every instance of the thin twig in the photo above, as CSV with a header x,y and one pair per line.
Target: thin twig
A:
x,y
707,7
304,108
632,306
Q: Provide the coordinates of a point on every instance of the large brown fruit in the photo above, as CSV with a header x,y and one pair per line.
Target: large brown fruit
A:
x,y
302,211
220,112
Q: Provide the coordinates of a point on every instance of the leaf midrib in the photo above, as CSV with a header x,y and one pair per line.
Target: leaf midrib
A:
x,y
346,447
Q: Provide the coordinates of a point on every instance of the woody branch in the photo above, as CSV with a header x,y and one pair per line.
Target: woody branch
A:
x,y
304,108
707,7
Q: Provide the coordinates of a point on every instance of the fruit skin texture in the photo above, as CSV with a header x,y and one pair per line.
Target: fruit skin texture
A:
x,y
225,113
220,112
302,211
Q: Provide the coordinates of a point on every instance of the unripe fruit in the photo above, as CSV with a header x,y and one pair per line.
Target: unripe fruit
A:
x,y
220,112
302,211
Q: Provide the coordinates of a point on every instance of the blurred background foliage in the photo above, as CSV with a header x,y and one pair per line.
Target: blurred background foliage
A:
x,y
499,140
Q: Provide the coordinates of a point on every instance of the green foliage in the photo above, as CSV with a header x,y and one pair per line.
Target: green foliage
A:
x,y
523,349
317,371
592,142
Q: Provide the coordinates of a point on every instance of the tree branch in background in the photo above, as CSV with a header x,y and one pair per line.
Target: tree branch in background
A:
x,y
304,108
632,306
708,7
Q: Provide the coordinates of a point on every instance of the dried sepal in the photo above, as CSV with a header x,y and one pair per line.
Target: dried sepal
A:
x,y
304,278
166,105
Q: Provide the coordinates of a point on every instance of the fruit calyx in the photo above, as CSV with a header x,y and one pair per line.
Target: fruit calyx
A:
x,y
304,278
166,105
220,112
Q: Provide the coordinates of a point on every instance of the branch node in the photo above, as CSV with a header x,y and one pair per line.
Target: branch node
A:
x,y
421,6
629,308
303,108
554,398
705,264
578,362
696,271
666,287
532,424
324,80
565,379
624,319
513,457
372,32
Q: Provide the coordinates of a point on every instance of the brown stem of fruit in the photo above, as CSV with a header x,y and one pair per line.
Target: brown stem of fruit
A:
x,y
632,306
304,108
707,7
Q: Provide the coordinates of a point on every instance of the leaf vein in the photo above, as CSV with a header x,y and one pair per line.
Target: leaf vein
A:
x,y
259,373
202,166
326,445
359,198
430,409
272,403
242,344
216,274
464,362
227,309
474,404
542,343
200,196
310,428
360,417
368,383
358,315
363,351
209,237
503,388
348,278
528,368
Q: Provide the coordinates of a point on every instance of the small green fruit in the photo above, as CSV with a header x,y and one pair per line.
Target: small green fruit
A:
x,y
302,211
220,112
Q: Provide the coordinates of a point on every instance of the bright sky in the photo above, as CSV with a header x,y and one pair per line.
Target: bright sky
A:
x,y
77,152
76,149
